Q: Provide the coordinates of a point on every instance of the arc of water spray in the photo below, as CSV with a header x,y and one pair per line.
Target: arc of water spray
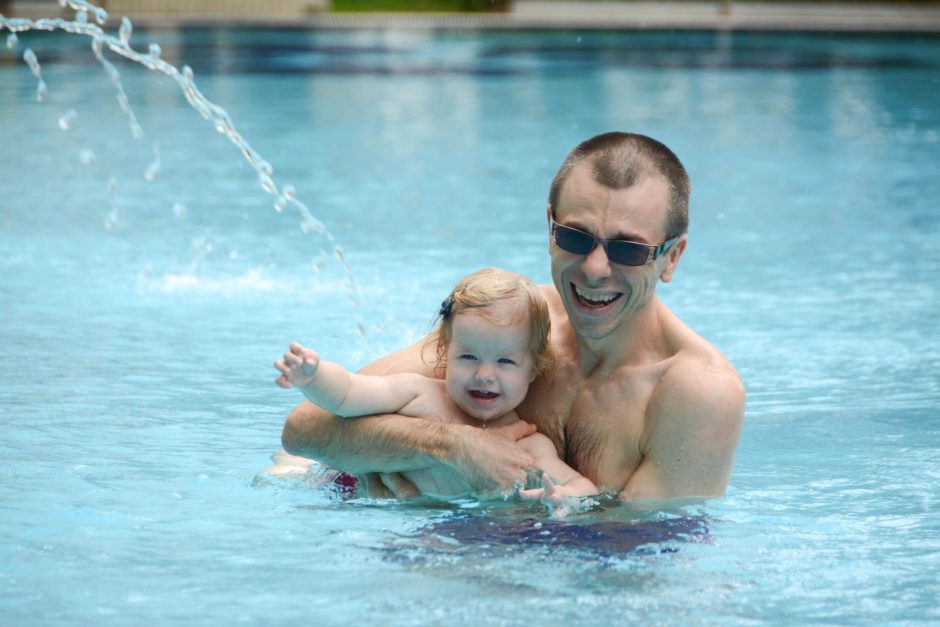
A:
x,y
184,78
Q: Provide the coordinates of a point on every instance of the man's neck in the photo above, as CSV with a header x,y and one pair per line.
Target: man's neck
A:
x,y
630,344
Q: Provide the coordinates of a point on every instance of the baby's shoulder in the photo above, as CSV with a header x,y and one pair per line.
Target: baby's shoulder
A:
x,y
538,445
431,402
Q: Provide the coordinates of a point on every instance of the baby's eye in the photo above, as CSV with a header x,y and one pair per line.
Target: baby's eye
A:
x,y
469,356
507,360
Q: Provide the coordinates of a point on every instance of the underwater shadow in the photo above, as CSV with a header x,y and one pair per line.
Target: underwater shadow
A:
x,y
485,533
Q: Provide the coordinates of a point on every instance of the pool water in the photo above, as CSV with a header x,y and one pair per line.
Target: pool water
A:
x,y
148,284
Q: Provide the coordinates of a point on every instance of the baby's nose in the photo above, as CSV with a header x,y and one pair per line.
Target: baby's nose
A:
x,y
485,374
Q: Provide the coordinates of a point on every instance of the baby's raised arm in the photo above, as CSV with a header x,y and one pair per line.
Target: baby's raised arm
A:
x,y
343,393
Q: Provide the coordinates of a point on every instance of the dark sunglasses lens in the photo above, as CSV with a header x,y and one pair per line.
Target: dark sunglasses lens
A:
x,y
573,240
627,253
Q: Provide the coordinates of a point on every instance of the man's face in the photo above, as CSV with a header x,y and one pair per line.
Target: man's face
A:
x,y
600,295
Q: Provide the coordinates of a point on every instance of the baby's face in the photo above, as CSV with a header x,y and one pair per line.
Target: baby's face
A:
x,y
489,366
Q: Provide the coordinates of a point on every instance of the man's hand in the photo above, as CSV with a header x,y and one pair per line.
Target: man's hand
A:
x,y
388,485
298,368
492,462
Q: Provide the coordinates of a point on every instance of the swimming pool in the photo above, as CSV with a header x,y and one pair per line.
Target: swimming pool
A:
x,y
140,318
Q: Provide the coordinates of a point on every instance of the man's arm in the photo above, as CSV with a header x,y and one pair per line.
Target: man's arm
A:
x,y
694,422
392,443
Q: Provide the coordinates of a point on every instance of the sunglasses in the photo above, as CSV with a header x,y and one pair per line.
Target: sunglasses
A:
x,y
618,250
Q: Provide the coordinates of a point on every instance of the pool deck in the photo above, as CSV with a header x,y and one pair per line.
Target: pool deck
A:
x,y
645,15
724,15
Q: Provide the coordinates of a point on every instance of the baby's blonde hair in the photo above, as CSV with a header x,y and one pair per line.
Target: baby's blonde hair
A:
x,y
482,290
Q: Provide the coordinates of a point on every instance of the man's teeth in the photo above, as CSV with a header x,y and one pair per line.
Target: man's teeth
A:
x,y
596,299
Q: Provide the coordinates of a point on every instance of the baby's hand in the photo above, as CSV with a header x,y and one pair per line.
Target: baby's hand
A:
x,y
299,367
556,497
550,493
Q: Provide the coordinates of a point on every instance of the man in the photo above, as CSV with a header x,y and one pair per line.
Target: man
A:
x,y
636,401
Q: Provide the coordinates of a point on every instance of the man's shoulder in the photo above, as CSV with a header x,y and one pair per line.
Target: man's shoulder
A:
x,y
700,370
700,386
698,381
417,358
555,305
696,363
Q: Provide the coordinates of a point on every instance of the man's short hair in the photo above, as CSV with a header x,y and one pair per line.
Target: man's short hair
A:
x,y
620,160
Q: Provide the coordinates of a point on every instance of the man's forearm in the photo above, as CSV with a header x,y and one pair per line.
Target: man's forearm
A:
x,y
361,445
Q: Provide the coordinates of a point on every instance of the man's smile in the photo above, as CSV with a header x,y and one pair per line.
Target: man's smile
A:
x,y
592,299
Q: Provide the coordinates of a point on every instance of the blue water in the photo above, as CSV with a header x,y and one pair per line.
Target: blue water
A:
x,y
140,318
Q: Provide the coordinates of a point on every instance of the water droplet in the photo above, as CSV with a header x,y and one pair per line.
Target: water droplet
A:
x,y
101,16
86,156
125,31
154,167
289,192
155,50
65,122
187,73
41,91
30,57
279,204
267,184
81,17
179,209
312,225
12,40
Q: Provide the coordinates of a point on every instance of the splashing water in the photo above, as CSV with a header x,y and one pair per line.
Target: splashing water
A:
x,y
154,169
41,90
184,77
65,122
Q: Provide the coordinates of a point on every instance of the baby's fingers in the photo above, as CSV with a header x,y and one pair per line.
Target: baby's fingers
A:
x,y
292,360
284,379
533,494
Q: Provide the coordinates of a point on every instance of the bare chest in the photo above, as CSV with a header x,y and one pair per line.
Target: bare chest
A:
x,y
597,425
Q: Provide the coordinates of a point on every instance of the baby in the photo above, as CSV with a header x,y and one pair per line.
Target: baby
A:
x,y
492,341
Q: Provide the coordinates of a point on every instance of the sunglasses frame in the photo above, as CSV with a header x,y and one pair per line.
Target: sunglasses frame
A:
x,y
654,251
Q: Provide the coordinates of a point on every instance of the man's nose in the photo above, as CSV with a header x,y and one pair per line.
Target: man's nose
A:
x,y
596,265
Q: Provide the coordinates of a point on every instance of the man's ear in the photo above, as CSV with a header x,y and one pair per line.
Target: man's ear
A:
x,y
672,258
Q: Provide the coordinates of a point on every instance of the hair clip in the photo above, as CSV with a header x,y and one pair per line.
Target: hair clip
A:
x,y
446,306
